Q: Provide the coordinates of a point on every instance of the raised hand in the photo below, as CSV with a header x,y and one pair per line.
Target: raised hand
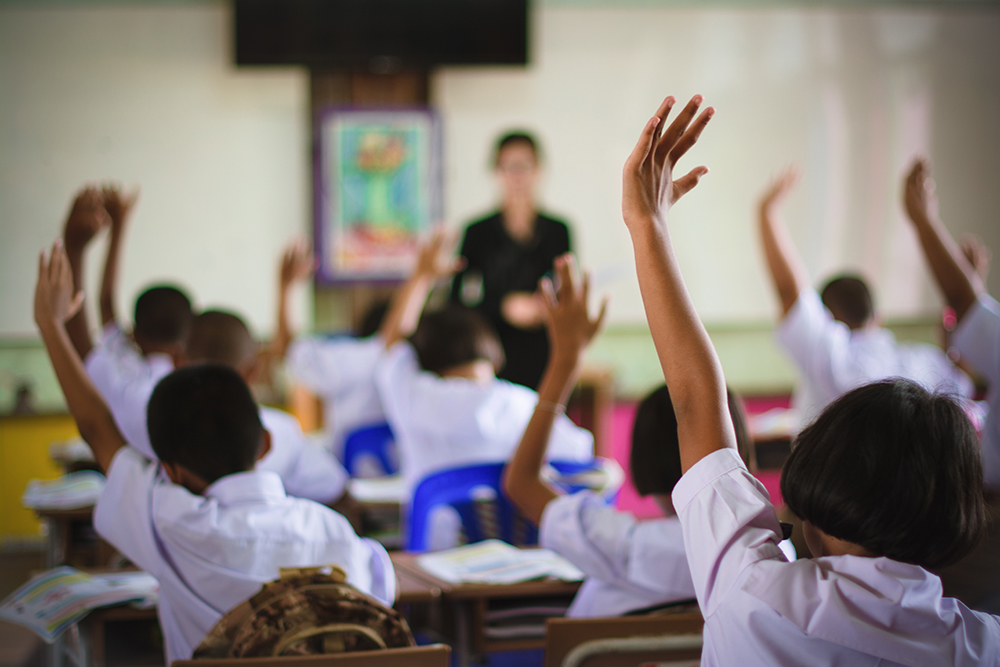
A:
x,y
119,204
86,218
55,300
570,326
648,185
436,256
918,193
779,188
297,263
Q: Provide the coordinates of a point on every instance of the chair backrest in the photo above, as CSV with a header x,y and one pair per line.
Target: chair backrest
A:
x,y
376,441
436,655
623,641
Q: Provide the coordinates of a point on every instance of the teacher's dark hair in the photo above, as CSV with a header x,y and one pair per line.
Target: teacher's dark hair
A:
x,y
514,138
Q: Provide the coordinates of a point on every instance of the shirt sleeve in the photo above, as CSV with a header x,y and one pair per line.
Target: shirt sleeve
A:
x,y
978,339
817,343
331,367
728,524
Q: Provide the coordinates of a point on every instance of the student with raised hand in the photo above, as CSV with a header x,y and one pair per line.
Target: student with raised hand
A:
x,y
439,387
833,336
887,481
210,528
341,371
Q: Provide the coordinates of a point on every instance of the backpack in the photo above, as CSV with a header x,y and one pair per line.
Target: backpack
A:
x,y
307,611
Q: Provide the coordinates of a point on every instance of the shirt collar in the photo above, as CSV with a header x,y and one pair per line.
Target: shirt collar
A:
x,y
252,486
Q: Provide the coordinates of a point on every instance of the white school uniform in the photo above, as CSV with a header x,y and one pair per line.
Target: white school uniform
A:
x,y
836,610
442,423
126,380
341,371
832,359
977,339
211,552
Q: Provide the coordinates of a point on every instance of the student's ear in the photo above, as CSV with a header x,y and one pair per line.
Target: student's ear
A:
x,y
265,445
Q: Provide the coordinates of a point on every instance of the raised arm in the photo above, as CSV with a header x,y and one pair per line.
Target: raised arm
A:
x,y
119,208
297,264
690,366
570,330
435,260
86,217
55,303
958,280
783,261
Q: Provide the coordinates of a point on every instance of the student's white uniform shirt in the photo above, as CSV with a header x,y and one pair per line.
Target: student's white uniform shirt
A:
x,y
832,359
838,610
341,371
978,340
442,423
212,552
629,564
126,380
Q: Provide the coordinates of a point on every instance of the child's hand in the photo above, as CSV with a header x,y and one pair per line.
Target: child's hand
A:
x,y
435,257
648,189
570,326
118,204
86,218
297,263
779,188
918,193
55,301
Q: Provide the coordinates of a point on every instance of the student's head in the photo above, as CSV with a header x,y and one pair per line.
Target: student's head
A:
x,y
893,469
203,424
454,337
220,337
162,319
849,301
655,461
372,320
516,163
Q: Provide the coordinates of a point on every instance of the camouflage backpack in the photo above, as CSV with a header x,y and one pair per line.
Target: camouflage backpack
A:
x,y
308,611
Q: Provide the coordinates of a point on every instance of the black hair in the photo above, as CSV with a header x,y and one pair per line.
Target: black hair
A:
x,y
655,460
372,320
455,335
204,418
220,337
514,138
894,469
162,315
849,300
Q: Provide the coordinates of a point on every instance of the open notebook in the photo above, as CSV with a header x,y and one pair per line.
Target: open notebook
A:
x,y
496,562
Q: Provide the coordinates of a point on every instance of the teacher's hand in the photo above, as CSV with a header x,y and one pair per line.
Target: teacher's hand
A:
x,y
524,310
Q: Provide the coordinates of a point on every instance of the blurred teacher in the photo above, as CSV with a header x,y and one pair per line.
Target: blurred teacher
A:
x,y
506,254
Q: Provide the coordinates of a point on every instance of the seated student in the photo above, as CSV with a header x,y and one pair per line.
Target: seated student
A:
x,y
212,529
834,338
887,480
120,362
440,391
341,371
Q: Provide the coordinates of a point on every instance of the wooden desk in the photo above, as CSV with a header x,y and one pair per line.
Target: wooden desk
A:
x,y
470,603
61,546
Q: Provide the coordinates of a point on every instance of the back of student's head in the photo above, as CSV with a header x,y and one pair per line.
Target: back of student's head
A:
x,y
220,337
372,320
655,461
204,418
894,469
162,316
849,300
453,336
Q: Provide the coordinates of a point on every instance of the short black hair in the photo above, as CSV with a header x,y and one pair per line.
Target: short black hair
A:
x,y
372,321
204,418
220,337
655,460
893,468
514,138
163,315
455,335
849,300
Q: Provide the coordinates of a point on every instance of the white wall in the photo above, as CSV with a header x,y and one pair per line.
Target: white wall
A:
x,y
848,95
148,95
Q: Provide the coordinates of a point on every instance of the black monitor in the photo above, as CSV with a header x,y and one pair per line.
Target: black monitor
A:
x,y
381,34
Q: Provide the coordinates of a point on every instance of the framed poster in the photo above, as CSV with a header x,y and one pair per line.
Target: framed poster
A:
x,y
378,189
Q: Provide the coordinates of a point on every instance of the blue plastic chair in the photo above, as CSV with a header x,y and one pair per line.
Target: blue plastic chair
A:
x,y
456,487
372,440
